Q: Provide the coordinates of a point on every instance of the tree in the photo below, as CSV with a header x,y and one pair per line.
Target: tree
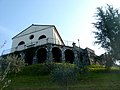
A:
x,y
107,32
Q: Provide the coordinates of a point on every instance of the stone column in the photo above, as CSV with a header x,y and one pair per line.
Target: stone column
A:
x,y
76,52
49,53
35,60
63,55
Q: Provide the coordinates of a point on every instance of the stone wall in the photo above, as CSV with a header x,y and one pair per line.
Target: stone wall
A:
x,y
54,53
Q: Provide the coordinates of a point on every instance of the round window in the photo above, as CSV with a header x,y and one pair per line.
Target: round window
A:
x,y
31,37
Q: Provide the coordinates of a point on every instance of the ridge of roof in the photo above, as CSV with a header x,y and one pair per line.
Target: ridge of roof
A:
x,y
59,35
41,25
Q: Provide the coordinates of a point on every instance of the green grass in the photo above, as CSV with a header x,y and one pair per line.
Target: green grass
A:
x,y
96,79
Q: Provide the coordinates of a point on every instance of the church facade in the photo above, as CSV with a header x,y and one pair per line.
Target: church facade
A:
x,y
43,43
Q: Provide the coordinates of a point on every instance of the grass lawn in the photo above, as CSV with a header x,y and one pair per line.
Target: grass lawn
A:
x,y
97,79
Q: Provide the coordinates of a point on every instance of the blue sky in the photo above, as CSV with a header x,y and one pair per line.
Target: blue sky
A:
x,y
72,18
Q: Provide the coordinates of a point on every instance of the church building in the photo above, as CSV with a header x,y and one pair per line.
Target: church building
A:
x,y
43,43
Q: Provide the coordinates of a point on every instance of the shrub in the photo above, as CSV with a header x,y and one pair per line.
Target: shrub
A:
x,y
17,63
4,81
97,68
39,69
10,64
36,69
64,74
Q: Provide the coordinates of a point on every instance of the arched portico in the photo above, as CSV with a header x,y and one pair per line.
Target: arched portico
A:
x,y
57,54
41,55
69,56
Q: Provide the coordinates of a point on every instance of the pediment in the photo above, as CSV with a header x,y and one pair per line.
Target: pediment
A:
x,y
31,29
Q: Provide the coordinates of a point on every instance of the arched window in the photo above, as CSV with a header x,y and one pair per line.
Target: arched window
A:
x,y
42,37
21,43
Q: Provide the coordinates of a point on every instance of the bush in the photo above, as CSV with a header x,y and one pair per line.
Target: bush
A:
x,y
97,68
34,70
41,69
16,65
4,81
10,64
64,74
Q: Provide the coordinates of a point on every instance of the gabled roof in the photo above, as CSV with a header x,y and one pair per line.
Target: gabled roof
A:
x,y
59,35
44,27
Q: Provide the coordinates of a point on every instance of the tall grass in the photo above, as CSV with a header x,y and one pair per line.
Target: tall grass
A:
x,y
34,77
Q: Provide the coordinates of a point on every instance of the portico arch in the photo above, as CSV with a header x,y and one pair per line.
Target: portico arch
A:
x,y
57,54
29,57
69,56
41,55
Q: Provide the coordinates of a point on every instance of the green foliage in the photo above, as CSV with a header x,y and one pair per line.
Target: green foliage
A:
x,y
17,63
4,82
10,64
81,67
101,68
107,32
96,67
51,65
42,69
95,79
109,62
36,69
64,74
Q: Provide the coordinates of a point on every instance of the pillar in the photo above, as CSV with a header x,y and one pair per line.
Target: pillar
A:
x,y
49,53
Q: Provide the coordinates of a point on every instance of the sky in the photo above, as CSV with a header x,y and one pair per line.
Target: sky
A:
x,y
72,18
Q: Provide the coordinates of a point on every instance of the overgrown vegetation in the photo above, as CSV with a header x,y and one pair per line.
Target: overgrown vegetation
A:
x,y
35,77
8,65
4,82
65,75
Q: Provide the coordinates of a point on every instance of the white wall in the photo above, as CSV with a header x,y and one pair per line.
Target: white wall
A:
x,y
57,38
32,29
50,33
26,39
